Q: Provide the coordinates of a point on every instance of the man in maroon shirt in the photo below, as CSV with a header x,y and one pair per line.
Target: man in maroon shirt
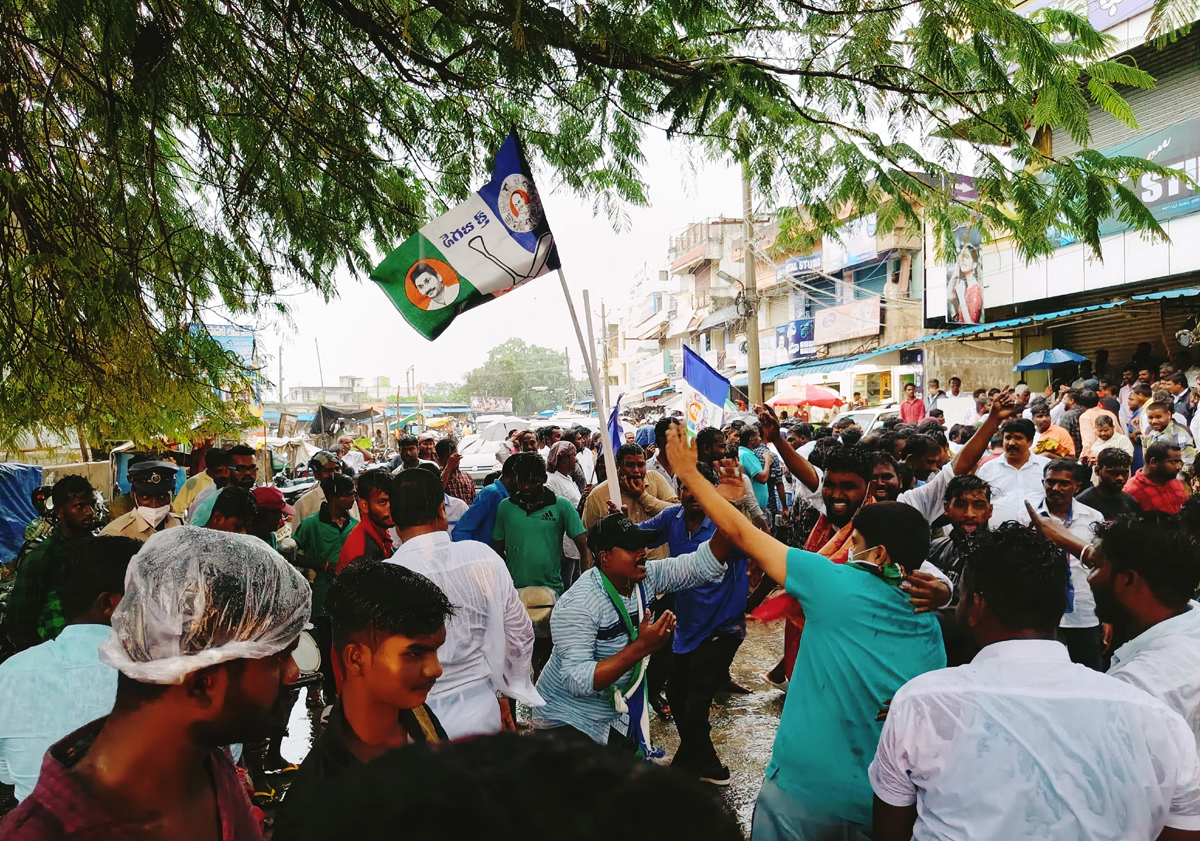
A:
x,y
202,641
370,539
912,408
1157,486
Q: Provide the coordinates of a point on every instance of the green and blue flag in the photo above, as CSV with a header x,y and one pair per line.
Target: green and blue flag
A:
x,y
493,242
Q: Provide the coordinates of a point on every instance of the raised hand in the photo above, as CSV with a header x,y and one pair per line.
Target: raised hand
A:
x,y
1004,406
769,423
729,475
682,454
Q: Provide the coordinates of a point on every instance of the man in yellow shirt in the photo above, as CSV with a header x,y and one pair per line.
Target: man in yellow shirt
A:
x,y
216,472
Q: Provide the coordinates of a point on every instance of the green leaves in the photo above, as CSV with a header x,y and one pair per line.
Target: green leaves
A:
x,y
168,163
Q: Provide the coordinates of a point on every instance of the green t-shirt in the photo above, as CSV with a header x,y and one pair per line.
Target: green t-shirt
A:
x,y
533,541
862,641
320,538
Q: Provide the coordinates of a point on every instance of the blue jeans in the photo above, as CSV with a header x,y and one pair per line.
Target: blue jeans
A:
x,y
778,816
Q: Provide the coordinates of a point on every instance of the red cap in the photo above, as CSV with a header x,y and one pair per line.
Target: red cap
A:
x,y
271,498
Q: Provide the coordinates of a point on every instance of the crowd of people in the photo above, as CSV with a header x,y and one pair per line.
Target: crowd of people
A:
x,y
988,630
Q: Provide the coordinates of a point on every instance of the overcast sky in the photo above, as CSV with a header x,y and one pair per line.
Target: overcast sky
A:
x,y
361,333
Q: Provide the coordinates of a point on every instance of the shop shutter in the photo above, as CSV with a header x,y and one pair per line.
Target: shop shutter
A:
x,y
1176,70
1120,331
779,310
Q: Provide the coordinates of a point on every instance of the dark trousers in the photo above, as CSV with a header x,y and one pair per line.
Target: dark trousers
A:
x,y
323,630
658,670
1085,645
696,677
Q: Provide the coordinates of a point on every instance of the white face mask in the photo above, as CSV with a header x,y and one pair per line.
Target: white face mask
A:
x,y
154,516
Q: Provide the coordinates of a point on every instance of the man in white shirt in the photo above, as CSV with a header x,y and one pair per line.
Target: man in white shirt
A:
x,y
1144,572
1079,628
352,455
1021,742
1017,476
489,639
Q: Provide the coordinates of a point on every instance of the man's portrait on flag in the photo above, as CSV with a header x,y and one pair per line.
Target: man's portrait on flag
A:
x,y
432,285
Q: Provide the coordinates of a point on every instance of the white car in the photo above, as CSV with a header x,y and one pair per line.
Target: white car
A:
x,y
871,419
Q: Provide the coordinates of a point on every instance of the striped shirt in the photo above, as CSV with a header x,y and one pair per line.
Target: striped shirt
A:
x,y
586,629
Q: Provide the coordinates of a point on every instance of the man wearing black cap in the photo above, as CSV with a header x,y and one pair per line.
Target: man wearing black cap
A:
x,y
603,633
323,465
153,483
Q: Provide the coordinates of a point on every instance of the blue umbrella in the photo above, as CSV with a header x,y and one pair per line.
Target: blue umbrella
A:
x,y
1047,359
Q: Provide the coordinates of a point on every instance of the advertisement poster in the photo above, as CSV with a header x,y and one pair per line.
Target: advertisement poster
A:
x,y
794,341
964,292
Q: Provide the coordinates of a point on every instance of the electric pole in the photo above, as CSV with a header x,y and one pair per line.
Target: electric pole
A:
x,y
320,370
753,371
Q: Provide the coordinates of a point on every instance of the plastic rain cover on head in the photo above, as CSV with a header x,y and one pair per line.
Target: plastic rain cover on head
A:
x,y
196,597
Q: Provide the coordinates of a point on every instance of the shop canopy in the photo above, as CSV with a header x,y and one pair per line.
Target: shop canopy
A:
x,y
327,416
841,363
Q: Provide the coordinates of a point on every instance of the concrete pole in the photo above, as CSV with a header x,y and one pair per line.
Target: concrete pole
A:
x,y
753,369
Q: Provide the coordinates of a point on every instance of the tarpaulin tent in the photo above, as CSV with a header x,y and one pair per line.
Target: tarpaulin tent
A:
x,y
17,483
328,416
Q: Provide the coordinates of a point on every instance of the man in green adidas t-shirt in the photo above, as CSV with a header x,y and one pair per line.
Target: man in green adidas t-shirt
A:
x,y
530,526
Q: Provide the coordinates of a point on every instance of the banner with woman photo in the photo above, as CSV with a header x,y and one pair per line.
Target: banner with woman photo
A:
x,y
964,291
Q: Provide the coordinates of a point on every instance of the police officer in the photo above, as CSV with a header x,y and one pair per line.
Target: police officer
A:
x,y
152,483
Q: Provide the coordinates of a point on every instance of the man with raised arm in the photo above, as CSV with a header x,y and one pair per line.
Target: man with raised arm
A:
x,y
862,642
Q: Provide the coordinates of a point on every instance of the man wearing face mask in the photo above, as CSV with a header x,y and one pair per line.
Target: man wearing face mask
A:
x,y
153,483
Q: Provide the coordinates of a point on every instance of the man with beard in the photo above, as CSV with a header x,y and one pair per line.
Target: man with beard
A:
x,y
714,447
243,471
1079,628
642,494
968,507
531,524
409,456
34,609
529,531
155,766
1050,438
1108,496
1143,573
370,539
216,474
1023,738
1157,486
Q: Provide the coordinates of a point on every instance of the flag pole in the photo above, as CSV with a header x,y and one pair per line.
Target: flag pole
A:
x,y
610,461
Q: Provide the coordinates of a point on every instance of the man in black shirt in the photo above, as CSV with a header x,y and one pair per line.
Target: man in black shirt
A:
x,y
388,623
1107,497
968,507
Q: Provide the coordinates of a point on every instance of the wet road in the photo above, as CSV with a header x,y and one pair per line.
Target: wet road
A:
x,y
743,725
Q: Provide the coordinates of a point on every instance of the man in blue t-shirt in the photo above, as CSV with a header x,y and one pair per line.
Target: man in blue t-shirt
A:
x,y
862,642
710,624
479,521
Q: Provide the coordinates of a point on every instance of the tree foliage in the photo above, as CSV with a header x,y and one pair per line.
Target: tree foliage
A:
x,y
171,159
536,378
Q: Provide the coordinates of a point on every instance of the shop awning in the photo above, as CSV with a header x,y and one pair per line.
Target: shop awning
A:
x,y
655,392
841,363
1189,292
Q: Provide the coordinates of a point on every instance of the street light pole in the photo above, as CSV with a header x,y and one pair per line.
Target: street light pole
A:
x,y
753,370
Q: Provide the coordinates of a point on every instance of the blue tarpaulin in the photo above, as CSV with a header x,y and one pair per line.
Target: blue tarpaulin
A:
x,y
17,483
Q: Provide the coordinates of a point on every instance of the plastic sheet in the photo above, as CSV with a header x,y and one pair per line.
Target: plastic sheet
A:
x,y
196,597
17,483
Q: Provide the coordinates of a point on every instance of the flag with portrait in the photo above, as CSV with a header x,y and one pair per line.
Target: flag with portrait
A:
x,y
493,242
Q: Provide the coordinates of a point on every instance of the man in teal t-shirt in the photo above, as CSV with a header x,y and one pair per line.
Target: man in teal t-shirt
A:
x,y
863,640
530,526
758,472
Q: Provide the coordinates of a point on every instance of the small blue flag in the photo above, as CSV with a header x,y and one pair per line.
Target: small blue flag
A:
x,y
614,425
701,377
